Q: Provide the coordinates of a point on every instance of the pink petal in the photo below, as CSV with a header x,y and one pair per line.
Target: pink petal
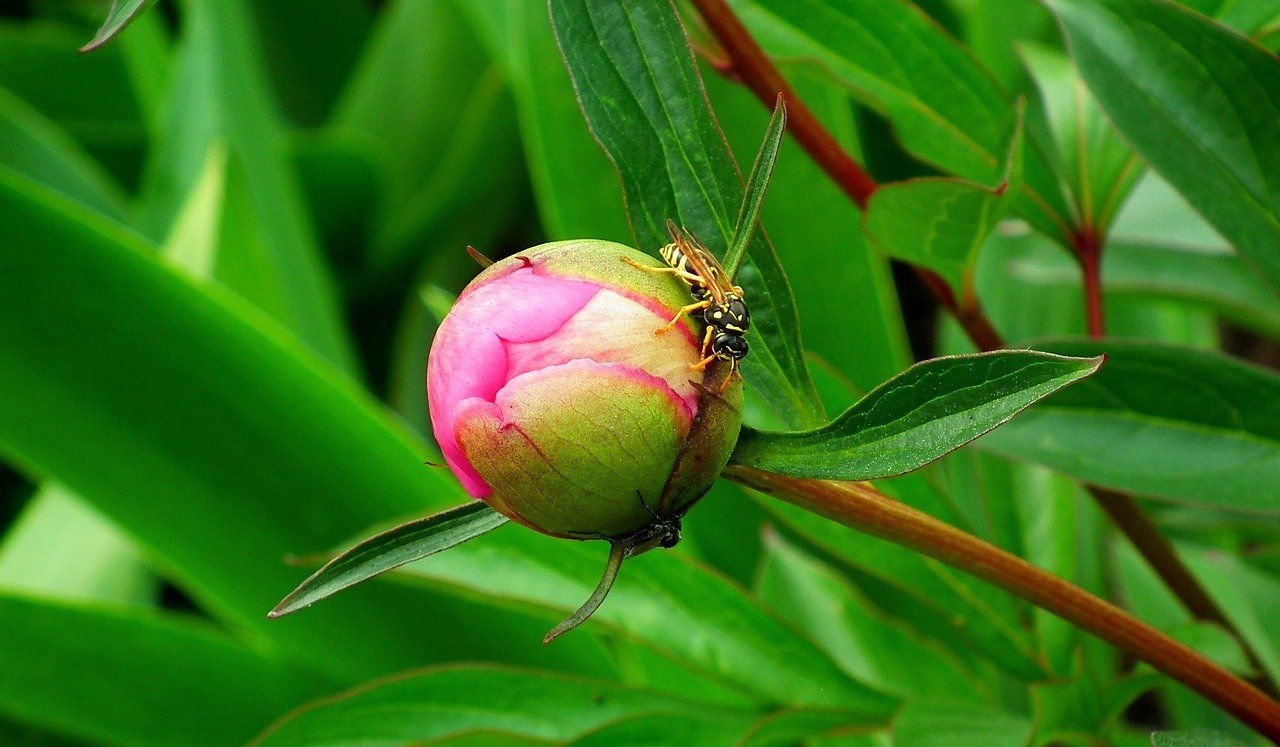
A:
x,y
468,359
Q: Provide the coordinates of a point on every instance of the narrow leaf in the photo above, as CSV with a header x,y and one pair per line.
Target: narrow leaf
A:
x,y
1198,101
757,185
927,411
644,99
1163,421
118,16
393,548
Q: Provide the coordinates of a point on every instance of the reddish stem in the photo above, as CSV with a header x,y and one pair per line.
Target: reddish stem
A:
x,y
1088,248
862,507
754,68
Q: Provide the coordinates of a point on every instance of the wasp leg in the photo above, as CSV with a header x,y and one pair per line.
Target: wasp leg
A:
x,y
733,369
699,306
702,364
706,340
688,277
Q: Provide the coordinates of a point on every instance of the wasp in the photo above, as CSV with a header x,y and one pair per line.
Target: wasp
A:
x,y
716,300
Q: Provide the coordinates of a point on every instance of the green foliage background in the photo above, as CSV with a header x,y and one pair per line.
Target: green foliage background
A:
x,y
226,237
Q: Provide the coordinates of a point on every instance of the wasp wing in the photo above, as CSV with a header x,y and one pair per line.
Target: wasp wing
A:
x,y
703,263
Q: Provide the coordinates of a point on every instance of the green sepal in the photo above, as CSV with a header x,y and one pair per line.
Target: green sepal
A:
x,y
393,548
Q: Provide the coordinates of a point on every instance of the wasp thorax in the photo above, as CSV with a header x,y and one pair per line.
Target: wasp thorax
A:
x,y
730,316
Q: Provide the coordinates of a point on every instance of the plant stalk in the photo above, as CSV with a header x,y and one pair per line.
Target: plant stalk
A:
x,y
1088,248
748,63
862,507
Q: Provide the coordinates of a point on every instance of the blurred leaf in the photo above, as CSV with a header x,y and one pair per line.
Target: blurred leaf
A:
x,y
59,547
1245,16
1098,167
1162,421
945,108
863,642
267,250
128,677
675,165
313,53
393,548
941,223
1214,279
448,701
927,411
192,245
200,413
97,105
34,146
675,606
1199,102
935,723
1196,738
119,15
577,190
1249,596
972,618
844,292
443,138
994,29
700,728
792,727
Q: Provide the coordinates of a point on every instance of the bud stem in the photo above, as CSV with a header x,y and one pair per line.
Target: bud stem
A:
x,y
617,554
862,507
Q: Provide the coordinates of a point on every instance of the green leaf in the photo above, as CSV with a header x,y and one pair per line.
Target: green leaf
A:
x,y
1198,101
32,145
60,547
828,259
576,188
862,640
393,548
757,184
1195,738
645,102
116,676
267,248
671,604
933,723
927,411
451,701
1213,279
941,223
945,108
1163,421
1098,167
436,162
205,414
118,16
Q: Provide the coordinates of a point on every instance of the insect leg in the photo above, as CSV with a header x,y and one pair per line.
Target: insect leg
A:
x,y
699,306
688,277
702,364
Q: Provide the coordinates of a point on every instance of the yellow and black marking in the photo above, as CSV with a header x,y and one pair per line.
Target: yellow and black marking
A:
x,y
720,303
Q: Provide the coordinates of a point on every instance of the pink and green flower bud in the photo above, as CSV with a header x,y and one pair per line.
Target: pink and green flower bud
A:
x,y
554,401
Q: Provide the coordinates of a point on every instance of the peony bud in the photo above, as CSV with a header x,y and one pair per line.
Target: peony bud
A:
x,y
555,399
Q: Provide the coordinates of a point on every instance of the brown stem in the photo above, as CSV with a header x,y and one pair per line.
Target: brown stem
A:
x,y
862,507
754,68
1088,248
758,72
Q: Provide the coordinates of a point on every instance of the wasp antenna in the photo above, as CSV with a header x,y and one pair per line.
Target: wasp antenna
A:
x,y
480,259
617,554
